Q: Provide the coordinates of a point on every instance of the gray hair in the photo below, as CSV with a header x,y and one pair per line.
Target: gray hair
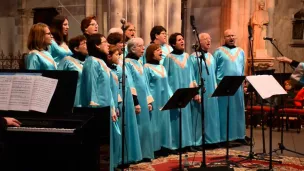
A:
x,y
132,43
115,30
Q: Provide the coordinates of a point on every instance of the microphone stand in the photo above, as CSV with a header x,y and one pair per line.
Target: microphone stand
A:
x,y
123,87
202,86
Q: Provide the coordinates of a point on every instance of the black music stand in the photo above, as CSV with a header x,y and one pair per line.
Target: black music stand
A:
x,y
179,100
227,87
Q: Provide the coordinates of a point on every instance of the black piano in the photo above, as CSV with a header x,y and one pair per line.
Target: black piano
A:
x,y
64,138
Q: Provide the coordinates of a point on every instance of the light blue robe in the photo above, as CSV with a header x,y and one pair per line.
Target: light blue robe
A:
x,y
230,62
117,99
40,60
58,52
166,50
72,64
211,108
132,142
96,92
144,98
180,75
158,85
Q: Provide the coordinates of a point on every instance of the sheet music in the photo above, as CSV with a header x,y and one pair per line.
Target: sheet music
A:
x,y
266,85
5,91
43,91
21,92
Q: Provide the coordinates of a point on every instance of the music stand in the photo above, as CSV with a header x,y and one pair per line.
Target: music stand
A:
x,y
227,87
179,100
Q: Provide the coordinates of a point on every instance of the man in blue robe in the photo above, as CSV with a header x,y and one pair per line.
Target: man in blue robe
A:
x,y
211,110
230,61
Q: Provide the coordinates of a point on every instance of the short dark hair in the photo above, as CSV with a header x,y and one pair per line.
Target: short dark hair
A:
x,y
92,41
172,38
85,23
156,30
56,29
114,38
75,42
150,51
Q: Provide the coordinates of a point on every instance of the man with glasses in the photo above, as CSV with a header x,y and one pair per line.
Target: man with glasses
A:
x,y
158,36
230,61
211,110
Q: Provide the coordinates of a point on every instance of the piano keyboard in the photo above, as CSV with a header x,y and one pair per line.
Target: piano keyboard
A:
x,y
33,129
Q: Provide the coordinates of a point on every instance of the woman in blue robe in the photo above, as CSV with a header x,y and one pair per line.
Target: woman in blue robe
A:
x,y
161,92
180,75
59,29
136,49
211,111
96,85
131,101
38,40
78,45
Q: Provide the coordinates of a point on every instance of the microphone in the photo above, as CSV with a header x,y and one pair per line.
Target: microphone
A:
x,y
192,21
250,31
123,21
269,38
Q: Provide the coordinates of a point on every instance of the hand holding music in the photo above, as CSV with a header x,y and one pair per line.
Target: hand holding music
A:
x,y
114,117
197,98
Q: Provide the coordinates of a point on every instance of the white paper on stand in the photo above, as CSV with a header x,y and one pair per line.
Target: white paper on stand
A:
x,y
266,85
43,91
5,91
21,92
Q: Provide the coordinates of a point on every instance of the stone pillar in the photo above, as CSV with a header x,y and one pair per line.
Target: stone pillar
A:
x,y
160,14
133,8
90,7
270,5
175,21
116,13
146,21
100,17
234,13
225,18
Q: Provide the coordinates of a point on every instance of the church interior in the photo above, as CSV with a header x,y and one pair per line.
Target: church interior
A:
x,y
264,29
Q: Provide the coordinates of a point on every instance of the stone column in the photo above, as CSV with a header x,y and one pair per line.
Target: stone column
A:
x,y
225,18
270,5
160,14
116,13
90,7
234,13
133,9
146,21
174,11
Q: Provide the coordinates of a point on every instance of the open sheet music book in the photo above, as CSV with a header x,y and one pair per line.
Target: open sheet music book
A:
x,y
266,85
26,92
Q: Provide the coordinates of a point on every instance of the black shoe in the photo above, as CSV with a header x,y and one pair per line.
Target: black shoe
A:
x,y
191,149
146,160
198,148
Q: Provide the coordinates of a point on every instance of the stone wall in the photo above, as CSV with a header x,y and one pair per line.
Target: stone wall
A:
x,y
283,15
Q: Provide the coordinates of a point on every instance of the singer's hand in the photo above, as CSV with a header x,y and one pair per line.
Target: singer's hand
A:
x,y
284,59
150,107
137,109
197,98
114,117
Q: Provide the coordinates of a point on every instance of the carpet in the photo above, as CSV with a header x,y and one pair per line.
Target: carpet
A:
x,y
171,162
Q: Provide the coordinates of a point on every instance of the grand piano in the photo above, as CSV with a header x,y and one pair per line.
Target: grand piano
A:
x,y
63,138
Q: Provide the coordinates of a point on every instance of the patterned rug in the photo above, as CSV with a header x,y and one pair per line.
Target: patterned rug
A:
x,y
214,156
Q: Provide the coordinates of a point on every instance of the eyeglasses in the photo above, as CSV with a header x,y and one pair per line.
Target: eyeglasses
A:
x,y
132,30
104,41
164,33
49,33
93,24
